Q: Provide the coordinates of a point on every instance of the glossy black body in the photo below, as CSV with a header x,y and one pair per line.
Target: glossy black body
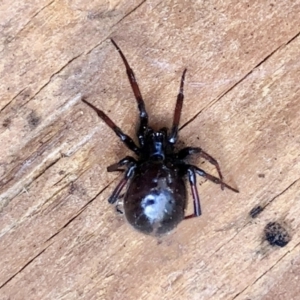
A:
x,y
156,198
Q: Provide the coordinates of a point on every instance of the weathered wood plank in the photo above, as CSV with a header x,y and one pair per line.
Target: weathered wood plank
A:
x,y
59,238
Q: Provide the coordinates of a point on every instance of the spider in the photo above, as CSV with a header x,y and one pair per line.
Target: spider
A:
x,y
155,199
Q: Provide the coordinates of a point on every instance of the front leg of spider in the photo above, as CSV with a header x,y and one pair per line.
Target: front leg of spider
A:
x,y
138,96
128,174
123,162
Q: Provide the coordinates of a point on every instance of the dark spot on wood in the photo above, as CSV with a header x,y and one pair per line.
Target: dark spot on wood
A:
x,y
26,95
255,211
61,172
94,15
33,120
73,188
261,175
6,123
9,39
276,234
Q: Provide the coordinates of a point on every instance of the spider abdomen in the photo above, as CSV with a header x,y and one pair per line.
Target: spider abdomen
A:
x,y
155,199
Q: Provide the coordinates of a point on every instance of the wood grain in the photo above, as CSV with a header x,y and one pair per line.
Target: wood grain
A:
x,y
59,238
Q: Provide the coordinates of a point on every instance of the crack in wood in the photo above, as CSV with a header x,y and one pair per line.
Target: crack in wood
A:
x,y
10,101
247,223
27,161
29,21
17,190
238,81
55,234
130,12
77,214
31,212
281,193
26,265
103,40
262,275
51,77
293,38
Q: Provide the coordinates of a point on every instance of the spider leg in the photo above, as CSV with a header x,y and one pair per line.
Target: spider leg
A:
x,y
125,161
211,178
195,194
127,140
118,209
128,174
185,152
177,112
138,96
120,204
191,150
192,171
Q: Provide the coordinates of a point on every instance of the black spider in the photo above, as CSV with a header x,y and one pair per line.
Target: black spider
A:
x,y
155,199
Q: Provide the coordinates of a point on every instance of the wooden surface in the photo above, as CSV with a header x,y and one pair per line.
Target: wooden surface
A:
x,y
59,238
